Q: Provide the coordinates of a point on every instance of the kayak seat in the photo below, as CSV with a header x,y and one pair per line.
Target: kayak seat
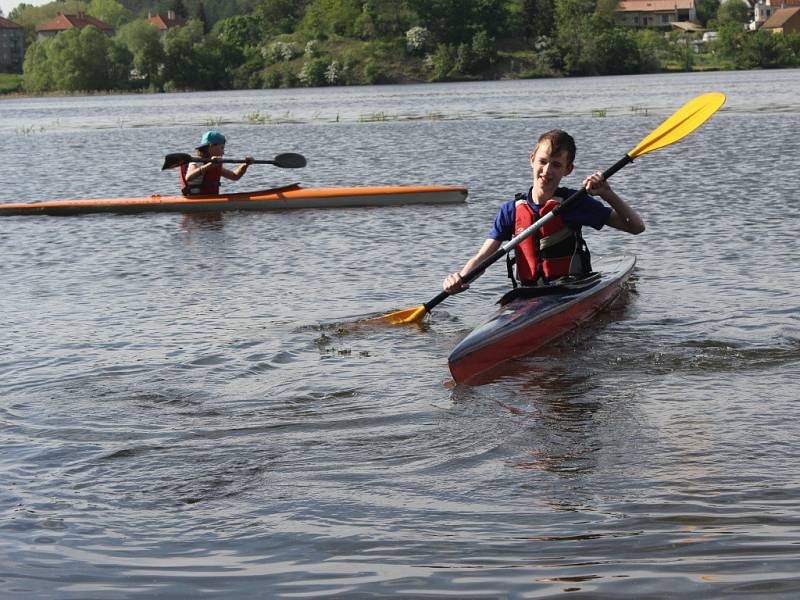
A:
x,y
564,285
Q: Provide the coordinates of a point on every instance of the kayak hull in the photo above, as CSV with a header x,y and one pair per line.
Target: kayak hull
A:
x,y
284,198
529,318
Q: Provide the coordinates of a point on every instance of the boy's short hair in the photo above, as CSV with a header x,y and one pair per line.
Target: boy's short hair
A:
x,y
560,141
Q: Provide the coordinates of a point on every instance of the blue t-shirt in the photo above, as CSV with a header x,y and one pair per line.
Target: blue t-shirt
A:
x,y
586,211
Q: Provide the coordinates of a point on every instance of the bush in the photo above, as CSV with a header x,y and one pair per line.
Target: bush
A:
x,y
373,73
418,40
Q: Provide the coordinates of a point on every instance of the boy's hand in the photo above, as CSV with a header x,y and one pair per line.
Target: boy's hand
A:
x,y
454,284
596,184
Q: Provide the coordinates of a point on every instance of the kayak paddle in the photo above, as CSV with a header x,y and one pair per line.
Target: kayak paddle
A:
x,y
287,160
688,118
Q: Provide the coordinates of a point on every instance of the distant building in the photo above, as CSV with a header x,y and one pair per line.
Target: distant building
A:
x,y
764,9
171,21
655,14
786,20
12,46
64,22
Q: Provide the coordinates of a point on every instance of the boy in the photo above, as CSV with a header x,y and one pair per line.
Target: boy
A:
x,y
557,250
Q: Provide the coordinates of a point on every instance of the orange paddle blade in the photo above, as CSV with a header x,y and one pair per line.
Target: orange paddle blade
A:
x,y
401,317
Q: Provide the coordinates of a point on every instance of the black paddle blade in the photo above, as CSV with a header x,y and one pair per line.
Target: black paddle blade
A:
x,y
289,160
176,160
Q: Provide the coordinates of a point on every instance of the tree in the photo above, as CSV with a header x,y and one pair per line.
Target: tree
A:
x,y
143,41
110,11
733,11
456,21
279,16
76,60
324,18
199,13
706,10
538,17
573,32
241,31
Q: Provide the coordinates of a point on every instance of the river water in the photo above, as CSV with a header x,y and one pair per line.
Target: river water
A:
x,y
186,410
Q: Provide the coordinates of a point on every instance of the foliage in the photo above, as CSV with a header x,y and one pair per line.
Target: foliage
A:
x,y
456,21
285,43
10,82
706,10
109,11
143,41
538,17
325,18
241,31
418,39
76,60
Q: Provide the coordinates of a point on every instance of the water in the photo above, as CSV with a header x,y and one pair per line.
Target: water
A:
x,y
185,410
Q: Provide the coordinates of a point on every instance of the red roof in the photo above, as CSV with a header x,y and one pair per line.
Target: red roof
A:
x,y
63,22
168,22
781,17
6,24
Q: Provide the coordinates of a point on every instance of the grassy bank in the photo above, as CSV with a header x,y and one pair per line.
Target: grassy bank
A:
x,y
10,83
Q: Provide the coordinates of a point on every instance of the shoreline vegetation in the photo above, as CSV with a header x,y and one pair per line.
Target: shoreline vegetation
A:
x,y
263,44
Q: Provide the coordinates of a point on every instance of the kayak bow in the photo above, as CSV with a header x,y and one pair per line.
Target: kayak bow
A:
x,y
530,317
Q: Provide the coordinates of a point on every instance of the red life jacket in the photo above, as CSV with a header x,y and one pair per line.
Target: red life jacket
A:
x,y
554,251
206,186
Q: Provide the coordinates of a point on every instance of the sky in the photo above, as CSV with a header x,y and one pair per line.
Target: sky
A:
x,y
9,5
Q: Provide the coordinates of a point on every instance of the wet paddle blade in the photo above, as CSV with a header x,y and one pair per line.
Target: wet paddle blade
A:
x,y
175,160
401,317
688,118
289,160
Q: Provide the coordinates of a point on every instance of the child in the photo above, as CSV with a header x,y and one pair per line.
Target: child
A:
x,y
202,178
557,250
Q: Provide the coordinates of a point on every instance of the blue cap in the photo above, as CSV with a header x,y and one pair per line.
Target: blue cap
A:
x,y
212,137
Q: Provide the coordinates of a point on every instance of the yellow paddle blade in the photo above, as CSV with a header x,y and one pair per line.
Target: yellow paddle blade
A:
x,y
688,118
401,317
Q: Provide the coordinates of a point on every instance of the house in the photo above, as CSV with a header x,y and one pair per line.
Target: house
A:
x,y
764,9
171,21
786,20
12,46
64,22
659,14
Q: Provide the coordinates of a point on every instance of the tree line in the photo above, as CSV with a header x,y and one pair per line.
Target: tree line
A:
x,y
236,44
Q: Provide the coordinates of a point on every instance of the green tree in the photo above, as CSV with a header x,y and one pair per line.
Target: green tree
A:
x,y
279,16
324,18
573,32
765,50
733,11
181,61
77,60
110,11
615,52
199,13
706,10
241,31
143,41
456,21
538,17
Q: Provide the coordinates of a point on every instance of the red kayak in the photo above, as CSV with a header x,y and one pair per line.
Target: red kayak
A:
x,y
530,317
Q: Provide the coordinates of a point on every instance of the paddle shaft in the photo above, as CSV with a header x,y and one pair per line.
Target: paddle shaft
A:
x,y
504,249
230,160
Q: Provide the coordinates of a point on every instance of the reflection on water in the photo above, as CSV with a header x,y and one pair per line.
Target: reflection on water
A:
x,y
187,404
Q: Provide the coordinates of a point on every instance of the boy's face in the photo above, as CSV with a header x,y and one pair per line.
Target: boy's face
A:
x,y
548,169
216,149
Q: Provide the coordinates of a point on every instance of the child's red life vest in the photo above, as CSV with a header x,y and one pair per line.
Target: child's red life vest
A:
x,y
208,185
554,251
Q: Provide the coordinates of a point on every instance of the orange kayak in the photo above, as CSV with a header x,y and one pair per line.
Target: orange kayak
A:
x,y
282,198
